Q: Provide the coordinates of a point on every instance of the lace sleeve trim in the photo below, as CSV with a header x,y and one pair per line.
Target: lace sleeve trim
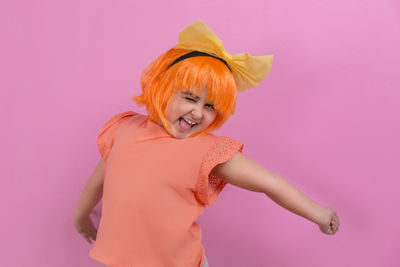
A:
x,y
209,186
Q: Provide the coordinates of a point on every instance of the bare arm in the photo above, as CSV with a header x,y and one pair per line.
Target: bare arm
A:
x,y
90,196
92,192
245,173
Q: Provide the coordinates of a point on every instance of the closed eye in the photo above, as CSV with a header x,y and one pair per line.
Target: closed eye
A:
x,y
210,106
190,99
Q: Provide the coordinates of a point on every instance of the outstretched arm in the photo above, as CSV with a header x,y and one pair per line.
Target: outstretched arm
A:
x,y
245,173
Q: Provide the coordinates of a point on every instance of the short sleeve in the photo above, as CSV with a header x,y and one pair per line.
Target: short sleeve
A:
x,y
209,186
105,139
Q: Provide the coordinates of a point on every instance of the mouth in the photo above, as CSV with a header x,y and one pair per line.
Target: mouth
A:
x,y
184,125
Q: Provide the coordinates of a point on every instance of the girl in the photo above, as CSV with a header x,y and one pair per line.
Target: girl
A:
x,y
158,171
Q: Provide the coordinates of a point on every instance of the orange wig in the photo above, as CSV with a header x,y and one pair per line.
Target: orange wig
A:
x,y
159,83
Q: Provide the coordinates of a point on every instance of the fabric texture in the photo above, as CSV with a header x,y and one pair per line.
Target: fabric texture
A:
x,y
155,187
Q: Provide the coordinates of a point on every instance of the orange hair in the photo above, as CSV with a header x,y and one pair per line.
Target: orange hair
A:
x,y
192,74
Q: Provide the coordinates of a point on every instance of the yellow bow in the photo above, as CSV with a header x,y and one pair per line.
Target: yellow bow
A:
x,y
247,70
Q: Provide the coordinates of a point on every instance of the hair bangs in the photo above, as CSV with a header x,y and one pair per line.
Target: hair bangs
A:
x,y
197,73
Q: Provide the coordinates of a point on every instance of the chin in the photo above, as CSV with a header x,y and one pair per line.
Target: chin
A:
x,y
179,135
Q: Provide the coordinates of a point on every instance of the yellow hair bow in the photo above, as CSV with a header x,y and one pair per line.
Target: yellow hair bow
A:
x,y
247,70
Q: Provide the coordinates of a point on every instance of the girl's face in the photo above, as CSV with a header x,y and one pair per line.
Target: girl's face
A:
x,y
189,114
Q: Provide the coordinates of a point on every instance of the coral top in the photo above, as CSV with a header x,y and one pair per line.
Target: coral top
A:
x,y
155,187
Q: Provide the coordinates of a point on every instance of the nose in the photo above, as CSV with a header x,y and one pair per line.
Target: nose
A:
x,y
197,112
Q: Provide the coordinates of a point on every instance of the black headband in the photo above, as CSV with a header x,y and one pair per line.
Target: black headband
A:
x,y
198,54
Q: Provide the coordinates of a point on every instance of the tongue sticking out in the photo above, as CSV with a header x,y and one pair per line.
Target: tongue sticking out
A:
x,y
184,125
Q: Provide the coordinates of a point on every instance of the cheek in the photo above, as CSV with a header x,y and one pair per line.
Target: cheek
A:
x,y
211,117
176,109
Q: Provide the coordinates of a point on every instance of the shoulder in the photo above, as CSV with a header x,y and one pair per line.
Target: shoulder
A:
x,y
222,151
115,127
226,145
127,114
219,140
123,116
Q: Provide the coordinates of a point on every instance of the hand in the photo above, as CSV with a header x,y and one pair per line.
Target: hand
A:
x,y
85,227
330,222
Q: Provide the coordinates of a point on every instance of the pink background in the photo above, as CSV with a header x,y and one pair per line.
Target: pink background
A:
x,y
326,119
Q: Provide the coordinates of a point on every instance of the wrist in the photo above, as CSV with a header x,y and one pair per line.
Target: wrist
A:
x,y
323,216
79,215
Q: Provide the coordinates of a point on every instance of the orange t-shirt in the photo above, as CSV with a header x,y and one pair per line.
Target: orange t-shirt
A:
x,y
155,187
